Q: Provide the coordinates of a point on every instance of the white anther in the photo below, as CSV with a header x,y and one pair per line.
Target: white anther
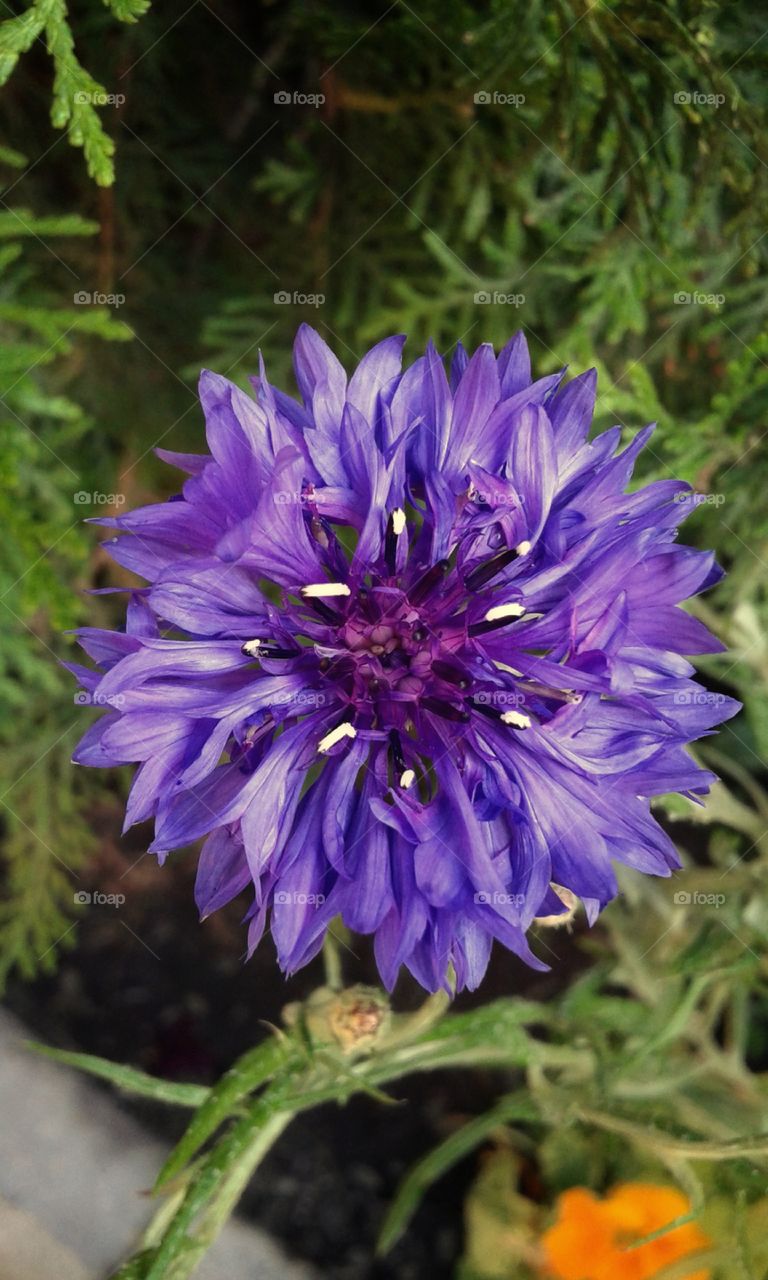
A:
x,y
523,547
517,719
512,610
345,730
314,589
398,521
251,648
407,779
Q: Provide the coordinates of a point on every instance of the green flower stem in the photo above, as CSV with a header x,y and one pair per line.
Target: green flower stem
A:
x,y
216,1184
416,1024
305,1074
334,1048
253,1069
332,962
655,1140
227,1195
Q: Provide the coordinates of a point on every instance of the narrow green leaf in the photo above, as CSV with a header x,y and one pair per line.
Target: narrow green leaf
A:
x,y
755,1146
14,159
440,1159
129,1079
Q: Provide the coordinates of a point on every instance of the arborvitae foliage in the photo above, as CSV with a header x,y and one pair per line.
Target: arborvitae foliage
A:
x,y
45,834
77,96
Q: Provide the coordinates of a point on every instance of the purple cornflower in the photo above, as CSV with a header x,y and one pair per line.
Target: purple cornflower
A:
x,y
410,655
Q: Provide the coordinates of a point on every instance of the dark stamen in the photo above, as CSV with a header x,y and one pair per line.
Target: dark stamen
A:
x,y
390,546
423,585
482,628
396,748
321,531
325,612
266,650
453,675
491,712
444,709
485,572
547,691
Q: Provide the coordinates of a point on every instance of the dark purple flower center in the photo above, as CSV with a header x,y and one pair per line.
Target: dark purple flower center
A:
x,y
399,648
401,653
392,654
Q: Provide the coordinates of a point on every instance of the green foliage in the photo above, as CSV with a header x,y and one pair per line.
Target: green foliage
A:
x,y
607,1088
76,94
128,10
659,1092
128,1079
580,214
46,837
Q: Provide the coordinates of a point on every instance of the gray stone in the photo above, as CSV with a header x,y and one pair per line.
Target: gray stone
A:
x,y
75,1175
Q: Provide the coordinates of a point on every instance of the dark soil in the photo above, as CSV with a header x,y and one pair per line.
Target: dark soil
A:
x,y
147,984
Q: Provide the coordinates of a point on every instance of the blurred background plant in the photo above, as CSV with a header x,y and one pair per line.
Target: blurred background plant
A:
x,y
592,172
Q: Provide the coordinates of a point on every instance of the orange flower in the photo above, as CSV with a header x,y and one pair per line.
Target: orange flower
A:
x,y
590,1238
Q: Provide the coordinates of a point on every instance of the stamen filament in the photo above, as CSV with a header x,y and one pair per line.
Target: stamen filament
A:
x,y
486,710
493,624
444,709
397,750
452,675
331,616
423,585
483,574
